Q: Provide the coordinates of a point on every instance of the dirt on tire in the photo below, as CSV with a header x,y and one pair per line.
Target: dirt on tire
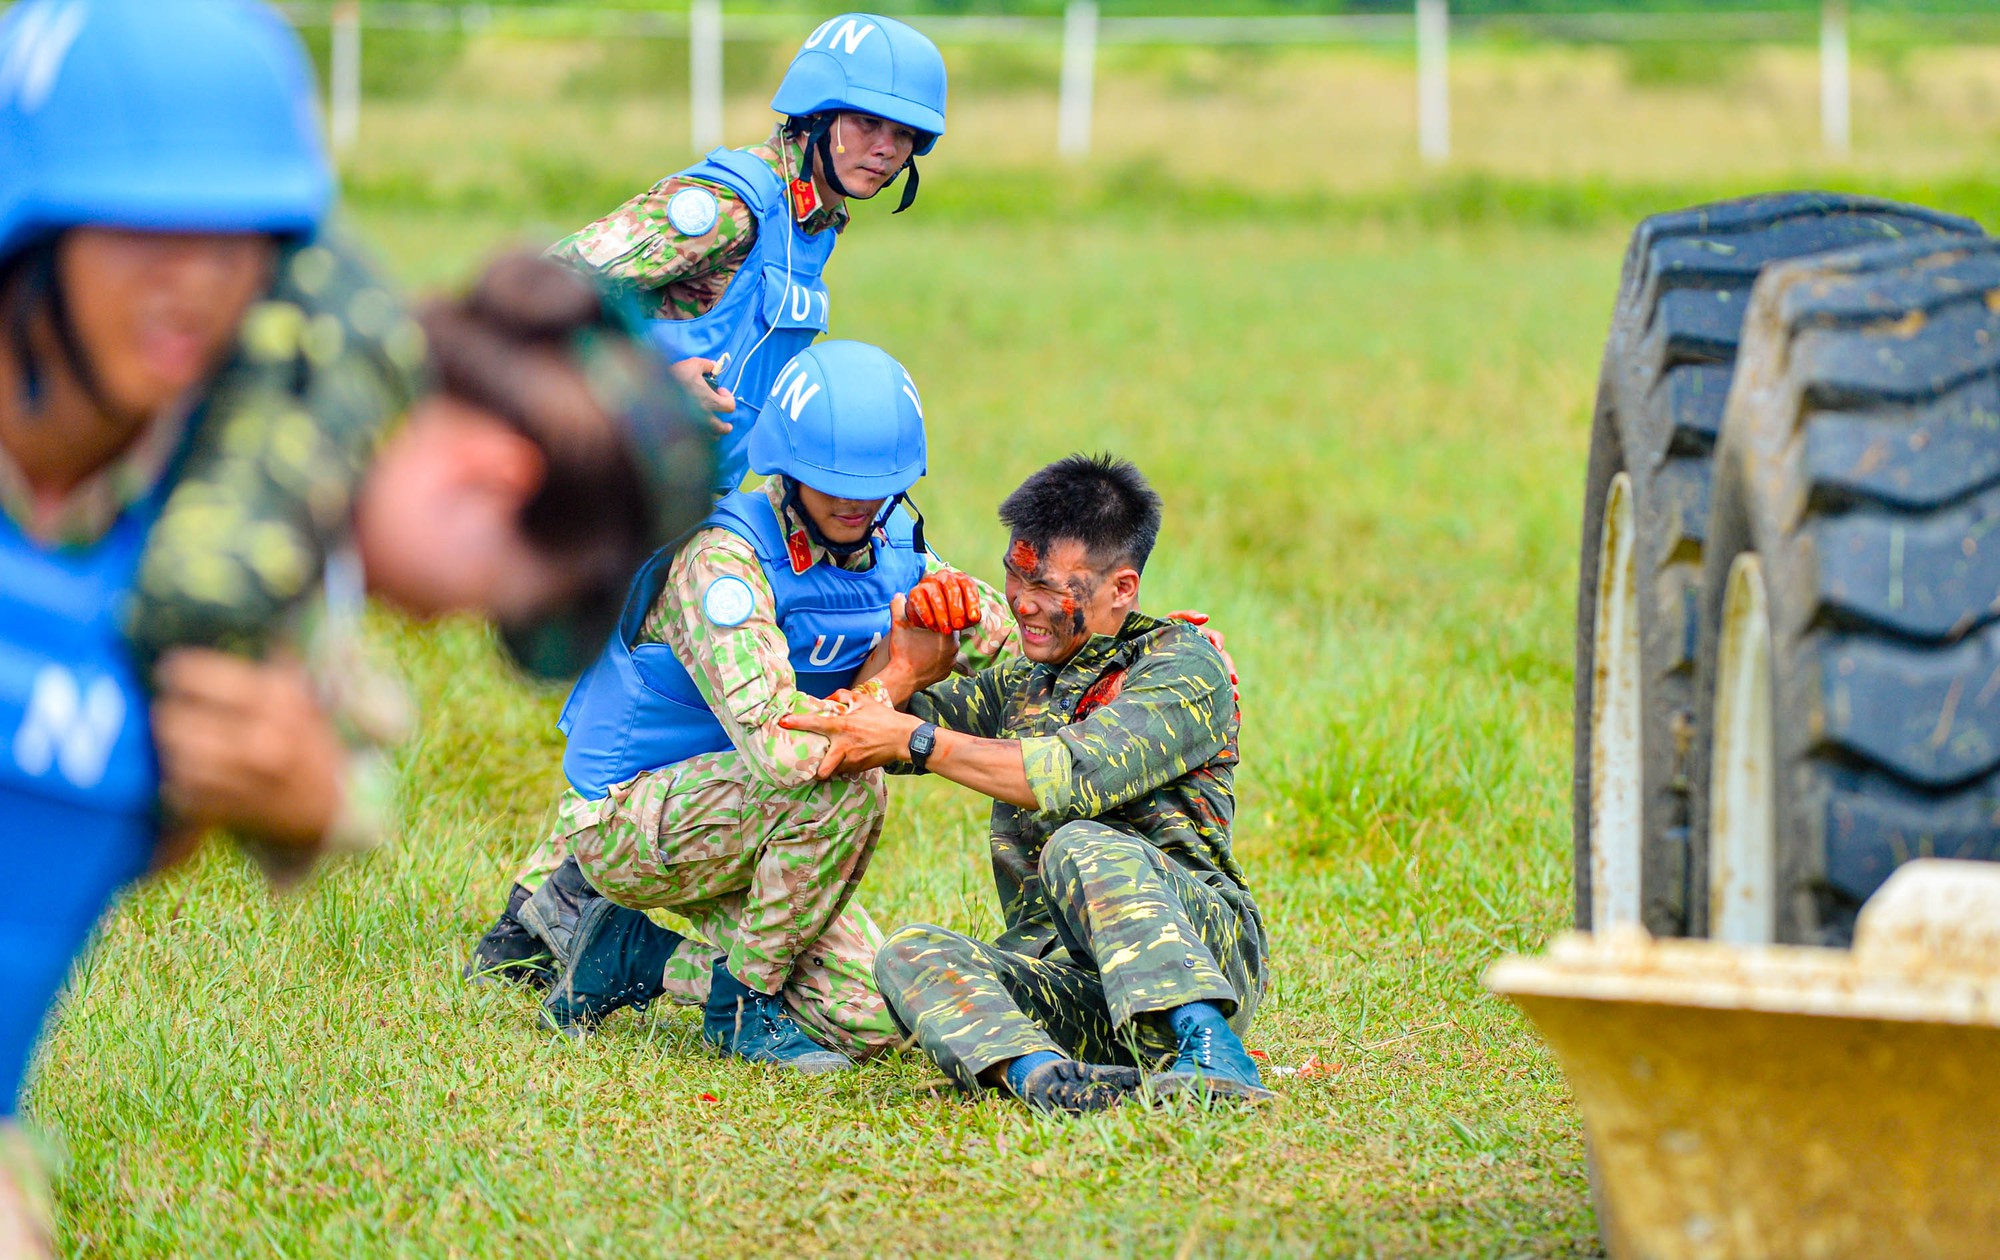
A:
x,y
1666,376
1861,463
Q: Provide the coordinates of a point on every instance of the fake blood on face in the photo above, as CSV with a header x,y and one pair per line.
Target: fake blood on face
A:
x,y
1025,559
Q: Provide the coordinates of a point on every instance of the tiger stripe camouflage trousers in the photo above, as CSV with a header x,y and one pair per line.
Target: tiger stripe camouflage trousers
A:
x,y
763,874
1139,935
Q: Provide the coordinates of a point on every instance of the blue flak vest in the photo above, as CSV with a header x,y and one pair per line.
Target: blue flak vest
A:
x,y
637,709
772,308
78,781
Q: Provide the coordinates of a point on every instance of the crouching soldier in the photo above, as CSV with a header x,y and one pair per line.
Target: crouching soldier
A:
x,y
1133,955
686,793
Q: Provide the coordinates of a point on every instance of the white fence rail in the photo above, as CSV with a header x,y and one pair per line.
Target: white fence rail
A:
x,y
1081,30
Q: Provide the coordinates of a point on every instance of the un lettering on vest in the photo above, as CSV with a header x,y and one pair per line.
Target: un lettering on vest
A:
x,y
845,34
822,654
70,726
791,303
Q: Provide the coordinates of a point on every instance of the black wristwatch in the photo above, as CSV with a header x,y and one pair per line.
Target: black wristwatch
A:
x,y
922,741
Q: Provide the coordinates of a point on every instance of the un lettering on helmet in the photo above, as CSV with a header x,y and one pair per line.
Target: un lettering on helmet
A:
x,y
868,64
852,426
847,32
156,117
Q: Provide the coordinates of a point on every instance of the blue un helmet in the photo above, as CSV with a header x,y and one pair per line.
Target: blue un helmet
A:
x,y
193,116
845,419
871,65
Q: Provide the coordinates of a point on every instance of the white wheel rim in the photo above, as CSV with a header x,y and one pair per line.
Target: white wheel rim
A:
x,y
1742,793
1616,821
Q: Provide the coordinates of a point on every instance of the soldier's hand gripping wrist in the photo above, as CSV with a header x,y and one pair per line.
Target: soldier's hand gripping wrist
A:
x,y
246,746
917,657
946,601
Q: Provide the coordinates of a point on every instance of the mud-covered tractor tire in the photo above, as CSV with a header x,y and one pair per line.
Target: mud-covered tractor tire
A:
x,y
1661,393
1849,658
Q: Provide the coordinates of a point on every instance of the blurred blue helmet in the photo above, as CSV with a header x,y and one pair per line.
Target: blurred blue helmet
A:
x,y
189,115
872,65
845,419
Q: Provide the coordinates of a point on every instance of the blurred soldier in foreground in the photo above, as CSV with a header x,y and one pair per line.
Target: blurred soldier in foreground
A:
x,y
726,257
161,191
685,792
1132,946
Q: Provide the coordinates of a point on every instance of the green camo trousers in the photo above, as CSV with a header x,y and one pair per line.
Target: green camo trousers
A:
x,y
764,874
1141,936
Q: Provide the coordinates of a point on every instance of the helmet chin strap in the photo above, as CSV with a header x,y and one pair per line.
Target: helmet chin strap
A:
x,y
796,506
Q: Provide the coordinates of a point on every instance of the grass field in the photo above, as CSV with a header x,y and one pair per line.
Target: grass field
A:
x,y
1368,445
1370,435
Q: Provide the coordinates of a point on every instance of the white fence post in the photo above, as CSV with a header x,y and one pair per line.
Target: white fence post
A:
x,y
1079,74
344,77
705,74
1433,81
1835,116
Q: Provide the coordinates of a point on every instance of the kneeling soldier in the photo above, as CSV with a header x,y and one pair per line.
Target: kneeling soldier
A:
x,y
687,795
1132,945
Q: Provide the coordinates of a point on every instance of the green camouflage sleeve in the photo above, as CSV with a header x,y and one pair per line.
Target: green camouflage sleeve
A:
x,y
971,704
325,363
1145,727
638,247
744,670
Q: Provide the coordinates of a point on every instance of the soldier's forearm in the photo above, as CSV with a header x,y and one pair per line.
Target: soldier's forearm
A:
x,y
992,767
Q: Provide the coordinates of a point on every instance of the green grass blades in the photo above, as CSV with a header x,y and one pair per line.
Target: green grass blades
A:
x,y
1369,442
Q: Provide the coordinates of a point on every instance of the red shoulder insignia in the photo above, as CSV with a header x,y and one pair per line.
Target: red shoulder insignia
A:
x,y
804,199
801,550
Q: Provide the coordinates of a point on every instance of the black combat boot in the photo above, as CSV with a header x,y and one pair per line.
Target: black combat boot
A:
x,y
1067,1085
618,958
509,951
553,911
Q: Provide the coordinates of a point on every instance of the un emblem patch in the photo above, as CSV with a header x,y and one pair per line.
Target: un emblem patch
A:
x,y
693,211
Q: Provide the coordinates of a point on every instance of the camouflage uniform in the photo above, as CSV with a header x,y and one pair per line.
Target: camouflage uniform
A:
x,y
759,856
677,276
1121,896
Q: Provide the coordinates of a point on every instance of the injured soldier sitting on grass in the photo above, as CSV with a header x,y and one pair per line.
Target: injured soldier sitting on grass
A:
x,y
1133,954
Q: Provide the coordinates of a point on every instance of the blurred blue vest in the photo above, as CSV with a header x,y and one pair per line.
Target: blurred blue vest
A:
x,y
773,307
78,780
636,708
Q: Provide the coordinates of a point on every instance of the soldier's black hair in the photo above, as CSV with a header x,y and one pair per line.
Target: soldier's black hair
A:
x,y
30,288
1101,501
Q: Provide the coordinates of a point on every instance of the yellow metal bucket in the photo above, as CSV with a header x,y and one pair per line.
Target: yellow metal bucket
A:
x,y
1788,1103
